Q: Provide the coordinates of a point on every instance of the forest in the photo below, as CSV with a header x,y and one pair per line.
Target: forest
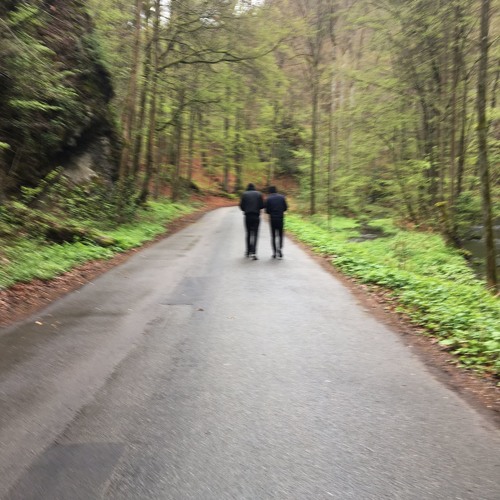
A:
x,y
379,118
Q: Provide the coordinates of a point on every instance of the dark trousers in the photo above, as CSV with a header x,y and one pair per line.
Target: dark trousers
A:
x,y
252,222
276,233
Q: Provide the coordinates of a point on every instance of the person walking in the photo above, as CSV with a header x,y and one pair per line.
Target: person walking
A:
x,y
251,203
276,207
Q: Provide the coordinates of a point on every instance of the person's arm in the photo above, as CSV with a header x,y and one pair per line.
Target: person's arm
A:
x,y
242,204
285,205
261,203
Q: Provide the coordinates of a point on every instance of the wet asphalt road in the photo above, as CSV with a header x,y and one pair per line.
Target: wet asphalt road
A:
x,y
190,372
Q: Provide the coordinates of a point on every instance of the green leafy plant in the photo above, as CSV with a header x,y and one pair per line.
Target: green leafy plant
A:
x,y
28,254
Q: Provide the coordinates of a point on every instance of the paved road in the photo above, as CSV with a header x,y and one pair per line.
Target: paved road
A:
x,y
190,372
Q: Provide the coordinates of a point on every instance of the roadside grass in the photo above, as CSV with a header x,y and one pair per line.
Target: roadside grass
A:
x,y
430,281
24,257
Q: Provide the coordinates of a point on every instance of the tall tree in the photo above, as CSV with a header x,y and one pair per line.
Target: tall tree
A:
x,y
152,121
130,108
317,16
482,139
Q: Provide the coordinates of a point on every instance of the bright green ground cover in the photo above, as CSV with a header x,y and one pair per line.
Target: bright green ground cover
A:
x,y
432,282
23,258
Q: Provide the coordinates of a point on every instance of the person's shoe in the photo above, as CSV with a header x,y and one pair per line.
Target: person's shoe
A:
x,y
274,255
280,254
247,255
254,257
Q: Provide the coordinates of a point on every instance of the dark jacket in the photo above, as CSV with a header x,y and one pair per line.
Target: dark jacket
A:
x,y
251,202
276,205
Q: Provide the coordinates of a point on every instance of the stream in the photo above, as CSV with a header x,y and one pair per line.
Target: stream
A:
x,y
475,244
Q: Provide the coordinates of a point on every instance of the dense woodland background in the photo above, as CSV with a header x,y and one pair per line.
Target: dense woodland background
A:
x,y
369,106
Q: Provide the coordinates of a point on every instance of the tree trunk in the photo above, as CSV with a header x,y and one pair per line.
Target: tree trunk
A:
x,y
225,182
176,181
152,105
238,153
203,141
462,144
136,158
314,139
456,72
482,138
129,114
272,162
331,147
192,119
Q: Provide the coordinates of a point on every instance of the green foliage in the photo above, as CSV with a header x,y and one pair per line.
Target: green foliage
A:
x,y
49,185
431,282
30,259
40,98
395,132
25,14
97,201
468,211
114,21
28,255
150,222
32,105
53,88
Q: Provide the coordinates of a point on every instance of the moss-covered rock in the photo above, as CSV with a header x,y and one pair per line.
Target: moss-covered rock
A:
x,y
54,93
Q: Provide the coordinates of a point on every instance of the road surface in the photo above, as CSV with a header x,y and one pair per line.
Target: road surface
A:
x,y
190,372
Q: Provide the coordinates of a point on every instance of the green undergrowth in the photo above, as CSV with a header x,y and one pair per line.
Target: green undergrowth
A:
x,y
432,282
26,255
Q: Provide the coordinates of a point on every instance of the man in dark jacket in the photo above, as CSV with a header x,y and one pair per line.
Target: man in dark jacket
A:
x,y
276,207
251,203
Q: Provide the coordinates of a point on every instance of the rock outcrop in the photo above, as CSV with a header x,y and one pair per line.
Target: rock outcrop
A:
x,y
54,94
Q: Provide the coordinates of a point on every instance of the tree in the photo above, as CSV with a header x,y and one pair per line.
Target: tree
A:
x,y
317,16
482,134
130,107
153,99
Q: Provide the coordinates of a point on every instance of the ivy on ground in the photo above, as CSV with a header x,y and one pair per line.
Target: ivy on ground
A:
x,y
26,253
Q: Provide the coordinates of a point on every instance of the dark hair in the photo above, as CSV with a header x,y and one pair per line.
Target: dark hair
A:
x,y
250,187
272,189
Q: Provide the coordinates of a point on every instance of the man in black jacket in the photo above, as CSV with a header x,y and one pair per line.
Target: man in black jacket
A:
x,y
276,207
251,203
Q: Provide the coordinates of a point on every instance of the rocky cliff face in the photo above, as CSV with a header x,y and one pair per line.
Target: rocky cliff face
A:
x,y
54,94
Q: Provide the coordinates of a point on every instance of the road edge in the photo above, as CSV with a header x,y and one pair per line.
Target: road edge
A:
x,y
479,392
23,300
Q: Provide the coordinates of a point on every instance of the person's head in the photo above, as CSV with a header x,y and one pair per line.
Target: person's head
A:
x,y
272,189
250,187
